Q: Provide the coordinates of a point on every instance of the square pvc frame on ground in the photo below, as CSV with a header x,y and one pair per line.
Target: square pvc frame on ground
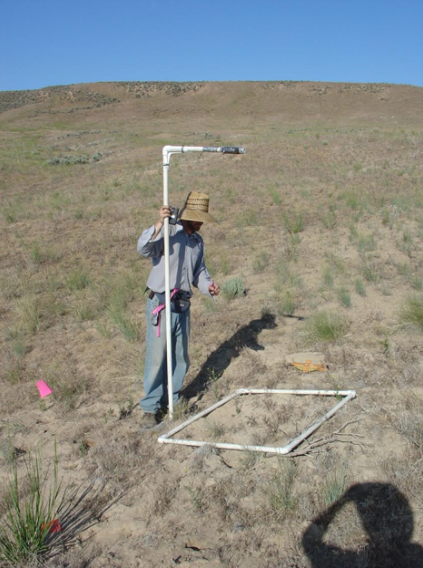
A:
x,y
346,395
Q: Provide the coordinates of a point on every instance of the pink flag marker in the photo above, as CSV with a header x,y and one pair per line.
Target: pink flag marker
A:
x,y
53,526
44,389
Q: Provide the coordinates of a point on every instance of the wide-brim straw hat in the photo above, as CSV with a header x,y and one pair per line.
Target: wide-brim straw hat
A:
x,y
196,208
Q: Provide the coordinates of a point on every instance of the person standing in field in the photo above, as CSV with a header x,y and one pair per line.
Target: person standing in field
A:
x,y
187,269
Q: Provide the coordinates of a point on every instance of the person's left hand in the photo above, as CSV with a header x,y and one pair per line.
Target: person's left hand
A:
x,y
214,289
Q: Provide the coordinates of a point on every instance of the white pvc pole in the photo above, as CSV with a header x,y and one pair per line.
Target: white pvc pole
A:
x,y
167,152
168,319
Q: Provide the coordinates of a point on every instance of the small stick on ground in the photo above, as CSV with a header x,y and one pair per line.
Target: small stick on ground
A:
x,y
315,446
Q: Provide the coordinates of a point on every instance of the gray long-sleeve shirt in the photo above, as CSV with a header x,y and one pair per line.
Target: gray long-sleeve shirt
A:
x,y
186,253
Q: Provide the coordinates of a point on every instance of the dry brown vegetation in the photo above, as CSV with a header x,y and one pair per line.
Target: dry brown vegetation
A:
x,y
321,219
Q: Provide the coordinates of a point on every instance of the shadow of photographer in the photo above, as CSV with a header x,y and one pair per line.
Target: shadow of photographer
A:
x,y
385,515
220,359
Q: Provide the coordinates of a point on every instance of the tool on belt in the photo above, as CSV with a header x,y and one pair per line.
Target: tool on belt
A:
x,y
180,302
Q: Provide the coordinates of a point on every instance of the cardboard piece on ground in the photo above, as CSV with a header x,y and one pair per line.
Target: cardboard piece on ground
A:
x,y
315,356
307,361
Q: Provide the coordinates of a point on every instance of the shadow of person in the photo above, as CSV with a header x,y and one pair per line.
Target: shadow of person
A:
x,y
385,515
220,359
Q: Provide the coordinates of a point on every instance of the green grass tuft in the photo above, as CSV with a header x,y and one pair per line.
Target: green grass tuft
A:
x,y
294,222
278,491
344,297
360,287
411,313
324,326
31,504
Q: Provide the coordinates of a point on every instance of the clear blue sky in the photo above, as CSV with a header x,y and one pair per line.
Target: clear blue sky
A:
x,y
59,42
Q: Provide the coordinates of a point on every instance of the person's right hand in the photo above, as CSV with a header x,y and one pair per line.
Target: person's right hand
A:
x,y
164,212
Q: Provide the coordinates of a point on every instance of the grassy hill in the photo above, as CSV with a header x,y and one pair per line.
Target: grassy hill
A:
x,y
320,222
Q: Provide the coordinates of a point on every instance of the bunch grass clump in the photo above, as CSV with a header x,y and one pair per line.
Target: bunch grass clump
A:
x,y
360,287
335,486
78,279
28,314
125,322
278,491
31,506
287,305
325,326
329,219
293,222
344,297
411,312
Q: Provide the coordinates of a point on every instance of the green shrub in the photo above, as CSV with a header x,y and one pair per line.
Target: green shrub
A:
x,y
68,161
233,288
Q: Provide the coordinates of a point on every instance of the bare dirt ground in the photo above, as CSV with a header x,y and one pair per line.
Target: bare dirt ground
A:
x,y
322,222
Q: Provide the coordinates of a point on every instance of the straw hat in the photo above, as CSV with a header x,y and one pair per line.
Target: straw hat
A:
x,y
196,208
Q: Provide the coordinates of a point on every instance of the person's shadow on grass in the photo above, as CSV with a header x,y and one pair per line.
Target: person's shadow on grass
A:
x,y
220,359
386,517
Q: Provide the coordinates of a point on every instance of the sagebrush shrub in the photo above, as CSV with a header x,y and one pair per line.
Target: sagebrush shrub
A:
x,y
233,288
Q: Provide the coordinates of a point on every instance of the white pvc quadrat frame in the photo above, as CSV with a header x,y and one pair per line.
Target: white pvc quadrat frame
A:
x,y
283,450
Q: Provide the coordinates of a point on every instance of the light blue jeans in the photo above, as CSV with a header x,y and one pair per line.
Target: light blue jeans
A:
x,y
155,367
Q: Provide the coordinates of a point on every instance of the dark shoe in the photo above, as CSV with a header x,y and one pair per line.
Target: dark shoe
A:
x,y
161,415
149,420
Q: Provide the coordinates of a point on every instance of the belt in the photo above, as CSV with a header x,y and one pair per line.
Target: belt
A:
x,y
152,294
159,308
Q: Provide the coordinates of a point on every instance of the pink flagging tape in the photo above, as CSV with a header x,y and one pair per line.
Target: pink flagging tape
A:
x,y
44,389
161,307
52,526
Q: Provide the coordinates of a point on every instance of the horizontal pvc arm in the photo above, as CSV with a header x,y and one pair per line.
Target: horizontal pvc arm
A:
x,y
167,150
226,150
232,150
